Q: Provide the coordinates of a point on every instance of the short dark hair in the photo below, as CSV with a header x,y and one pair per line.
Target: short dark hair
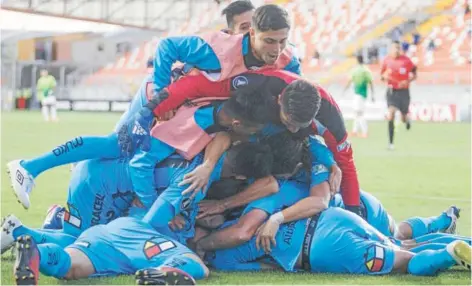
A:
x,y
288,150
252,160
236,8
224,188
248,105
395,42
360,59
270,17
301,100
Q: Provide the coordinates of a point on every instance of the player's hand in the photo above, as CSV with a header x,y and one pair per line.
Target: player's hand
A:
x,y
198,179
335,178
265,235
210,207
177,223
137,203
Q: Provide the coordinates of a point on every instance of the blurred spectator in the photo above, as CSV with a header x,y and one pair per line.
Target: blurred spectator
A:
x,y
429,57
316,54
416,37
467,9
405,46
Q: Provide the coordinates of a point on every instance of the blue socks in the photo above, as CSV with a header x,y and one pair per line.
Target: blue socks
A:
x,y
75,150
421,226
442,238
429,262
41,236
54,260
186,264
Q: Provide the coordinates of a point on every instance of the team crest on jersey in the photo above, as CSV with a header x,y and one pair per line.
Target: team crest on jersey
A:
x,y
240,81
152,248
402,71
72,216
375,258
318,169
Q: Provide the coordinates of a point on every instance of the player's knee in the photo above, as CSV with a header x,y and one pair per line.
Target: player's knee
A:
x,y
401,260
81,266
403,231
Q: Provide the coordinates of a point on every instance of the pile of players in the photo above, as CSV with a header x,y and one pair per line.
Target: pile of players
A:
x,y
246,168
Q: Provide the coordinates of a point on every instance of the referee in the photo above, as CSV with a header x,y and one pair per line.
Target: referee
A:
x,y
398,71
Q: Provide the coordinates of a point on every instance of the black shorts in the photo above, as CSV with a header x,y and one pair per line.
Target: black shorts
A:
x,y
399,98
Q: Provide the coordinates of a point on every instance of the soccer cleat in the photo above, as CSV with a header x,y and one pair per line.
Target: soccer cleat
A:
x,y
54,217
9,224
461,252
408,125
26,267
163,276
21,181
453,213
391,147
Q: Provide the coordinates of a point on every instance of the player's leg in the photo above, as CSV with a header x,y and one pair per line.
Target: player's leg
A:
x,y
12,228
392,108
23,172
361,119
418,226
45,110
404,108
433,238
53,108
430,262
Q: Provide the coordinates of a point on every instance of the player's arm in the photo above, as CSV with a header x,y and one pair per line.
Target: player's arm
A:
x,y
317,201
262,187
199,179
187,88
383,69
414,70
141,170
187,49
371,85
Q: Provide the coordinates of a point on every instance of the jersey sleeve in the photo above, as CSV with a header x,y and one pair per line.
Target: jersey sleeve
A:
x,y
192,50
188,88
294,65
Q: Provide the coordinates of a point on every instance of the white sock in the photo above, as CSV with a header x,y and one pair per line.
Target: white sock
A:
x,y
53,112
363,123
355,127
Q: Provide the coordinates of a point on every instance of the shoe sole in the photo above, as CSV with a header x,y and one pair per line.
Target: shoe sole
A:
x,y
460,257
155,276
23,273
13,188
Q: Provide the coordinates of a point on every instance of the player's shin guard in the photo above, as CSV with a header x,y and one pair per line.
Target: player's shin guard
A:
x,y
54,260
429,262
391,131
421,226
75,150
45,236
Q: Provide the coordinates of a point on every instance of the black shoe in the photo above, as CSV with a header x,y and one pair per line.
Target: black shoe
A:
x,y
163,276
26,267
408,125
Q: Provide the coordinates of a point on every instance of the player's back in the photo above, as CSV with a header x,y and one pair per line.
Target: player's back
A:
x,y
361,77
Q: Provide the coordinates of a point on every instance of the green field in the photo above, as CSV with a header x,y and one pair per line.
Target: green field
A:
x,y
428,171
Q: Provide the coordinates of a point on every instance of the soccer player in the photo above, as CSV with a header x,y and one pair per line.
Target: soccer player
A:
x,y
107,183
412,228
361,78
122,246
293,102
238,16
45,94
398,71
337,241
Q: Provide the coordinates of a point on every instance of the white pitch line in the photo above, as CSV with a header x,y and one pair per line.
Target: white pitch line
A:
x,y
463,200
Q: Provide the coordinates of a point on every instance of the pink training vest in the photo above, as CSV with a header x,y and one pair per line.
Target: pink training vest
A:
x,y
229,51
182,132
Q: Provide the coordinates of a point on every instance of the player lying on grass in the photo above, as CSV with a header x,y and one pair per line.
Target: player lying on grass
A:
x,y
337,241
106,183
122,246
412,228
